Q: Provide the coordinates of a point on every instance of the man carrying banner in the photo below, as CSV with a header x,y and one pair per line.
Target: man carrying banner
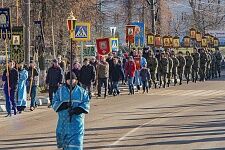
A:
x,y
10,89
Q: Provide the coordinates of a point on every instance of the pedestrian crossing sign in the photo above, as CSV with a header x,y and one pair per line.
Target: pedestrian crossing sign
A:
x,y
82,31
115,44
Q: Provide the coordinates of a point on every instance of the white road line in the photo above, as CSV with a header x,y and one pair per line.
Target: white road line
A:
x,y
147,123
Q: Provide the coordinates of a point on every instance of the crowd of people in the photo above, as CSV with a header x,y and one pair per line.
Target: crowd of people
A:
x,y
139,68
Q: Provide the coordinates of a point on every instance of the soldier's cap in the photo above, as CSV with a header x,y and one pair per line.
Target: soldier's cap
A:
x,y
67,77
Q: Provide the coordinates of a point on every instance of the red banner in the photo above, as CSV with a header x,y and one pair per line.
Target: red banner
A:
x,y
103,46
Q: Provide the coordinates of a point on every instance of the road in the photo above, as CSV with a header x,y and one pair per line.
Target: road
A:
x,y
187,117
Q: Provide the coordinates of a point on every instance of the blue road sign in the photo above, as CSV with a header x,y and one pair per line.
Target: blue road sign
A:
x,y
139,39
82,32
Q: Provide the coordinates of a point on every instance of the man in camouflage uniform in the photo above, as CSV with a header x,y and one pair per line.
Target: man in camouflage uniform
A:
x,y
203,65
213,65
196,65
180,68
218,56
169,76
152,64
164,66
188,67
208,65
174,69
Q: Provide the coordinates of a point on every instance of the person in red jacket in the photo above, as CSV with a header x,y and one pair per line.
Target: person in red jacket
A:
x,y
130,69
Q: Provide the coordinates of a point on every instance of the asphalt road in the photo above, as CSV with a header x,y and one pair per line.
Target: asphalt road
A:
x,y
187,117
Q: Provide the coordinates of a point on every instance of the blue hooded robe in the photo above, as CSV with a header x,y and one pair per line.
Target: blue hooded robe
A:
x,y
22,90
70,135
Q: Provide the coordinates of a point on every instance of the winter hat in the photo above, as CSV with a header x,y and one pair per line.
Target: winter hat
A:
x,y
68,76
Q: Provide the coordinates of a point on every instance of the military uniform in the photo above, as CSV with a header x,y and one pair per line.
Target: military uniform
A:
x,y
169,76
213,65
180,68
203,65
195,66
189,63
164,66
218,56
174,69
152,64
208,66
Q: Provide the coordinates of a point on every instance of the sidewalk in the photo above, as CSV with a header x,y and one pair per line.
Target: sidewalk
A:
x,y
42,100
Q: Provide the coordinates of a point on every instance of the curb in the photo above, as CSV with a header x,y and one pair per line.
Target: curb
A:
x,y
43,101
2,108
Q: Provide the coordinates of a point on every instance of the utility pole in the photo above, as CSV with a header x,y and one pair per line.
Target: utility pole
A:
x,y
27,31
129,7
152,7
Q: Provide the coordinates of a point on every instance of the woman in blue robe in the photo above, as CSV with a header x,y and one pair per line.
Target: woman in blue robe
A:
x,y
70,127
22,90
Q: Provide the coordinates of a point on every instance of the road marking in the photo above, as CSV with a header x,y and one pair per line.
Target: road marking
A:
x,y
147,123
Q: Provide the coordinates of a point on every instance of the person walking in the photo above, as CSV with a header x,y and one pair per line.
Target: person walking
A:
x,y
22,90
218,62
103,76
174,69
130,69
116,76
208,65
196,65
145,78
54,79
152,64
164,66
170,67
180,68
203,65
188,67
10,88
33,76
87,76
71,114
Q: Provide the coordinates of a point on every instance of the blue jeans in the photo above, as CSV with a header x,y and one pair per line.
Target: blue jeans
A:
x,y
131,83
33,96
115,86
10,100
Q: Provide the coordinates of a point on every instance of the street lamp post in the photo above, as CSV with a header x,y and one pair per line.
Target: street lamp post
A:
x,y
71,22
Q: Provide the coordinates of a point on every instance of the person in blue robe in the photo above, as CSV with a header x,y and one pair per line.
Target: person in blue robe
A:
x,y
70,127
22,90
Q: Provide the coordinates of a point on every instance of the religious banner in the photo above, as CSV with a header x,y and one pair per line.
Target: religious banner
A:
x,y
150,39
176,42
103,46
198,37
166,42
17,47
216,42
187,41
5,23
158,41
39,37
204,42
193,33
130,33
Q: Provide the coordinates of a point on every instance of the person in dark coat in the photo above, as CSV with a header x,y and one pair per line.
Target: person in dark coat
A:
x,y
203,65
196,65
11,88
145,78
87,76
76,70
116,76
54,79
180,68
174,69
189,63
110,62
